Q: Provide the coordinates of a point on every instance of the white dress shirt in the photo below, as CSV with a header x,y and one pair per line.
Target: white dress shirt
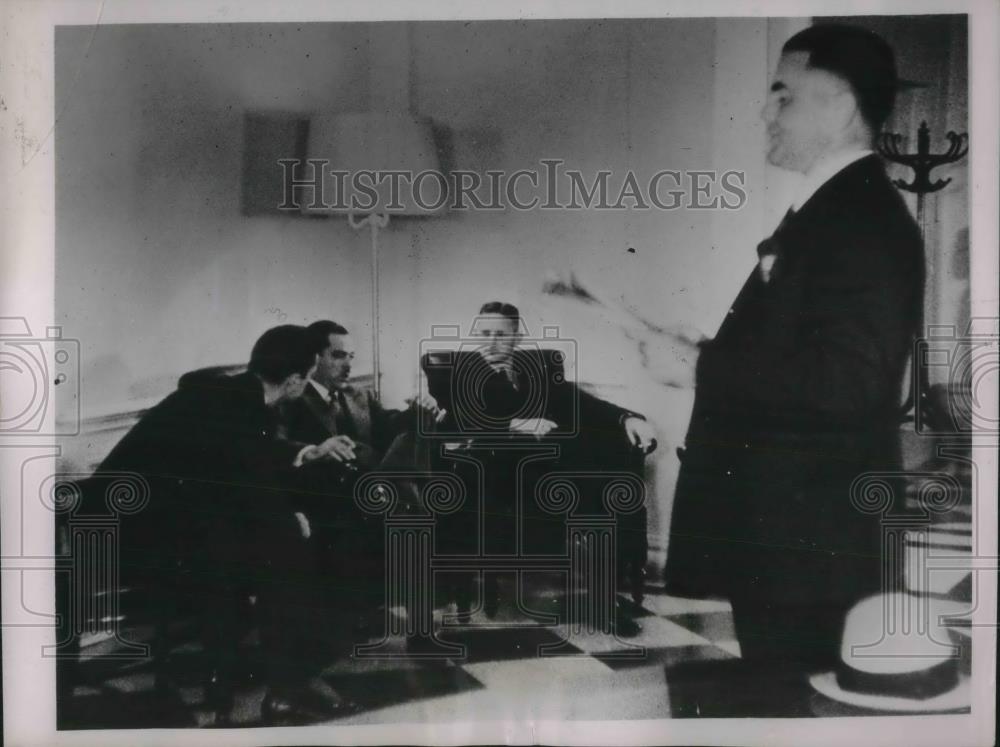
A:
x,y
323,391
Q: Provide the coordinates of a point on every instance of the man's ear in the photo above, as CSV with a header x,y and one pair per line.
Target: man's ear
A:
x,y
289,383
843,111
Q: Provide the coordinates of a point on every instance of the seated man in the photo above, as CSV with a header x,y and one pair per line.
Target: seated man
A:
x,y
501,388
219,505
356,435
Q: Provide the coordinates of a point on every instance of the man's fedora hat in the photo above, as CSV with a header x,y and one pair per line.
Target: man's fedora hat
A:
x,y
898,653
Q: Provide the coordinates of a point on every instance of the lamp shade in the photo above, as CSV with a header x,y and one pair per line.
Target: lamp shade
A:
x,y
364,148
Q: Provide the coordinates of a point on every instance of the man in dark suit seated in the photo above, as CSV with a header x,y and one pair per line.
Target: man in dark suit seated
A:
x,y
358,435
500,391
220,508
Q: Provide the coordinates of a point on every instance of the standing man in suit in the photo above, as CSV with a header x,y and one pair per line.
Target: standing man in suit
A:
x,y
502,390
358,435
219,503
799,392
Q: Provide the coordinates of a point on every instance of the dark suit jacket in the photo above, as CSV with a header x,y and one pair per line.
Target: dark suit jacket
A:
x,y
798,395
216,471
482,401
310,420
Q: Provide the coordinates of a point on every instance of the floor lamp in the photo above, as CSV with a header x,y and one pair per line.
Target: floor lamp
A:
x,y
377,143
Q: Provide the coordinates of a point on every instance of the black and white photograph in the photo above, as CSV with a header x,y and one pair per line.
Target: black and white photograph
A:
x,y
443,375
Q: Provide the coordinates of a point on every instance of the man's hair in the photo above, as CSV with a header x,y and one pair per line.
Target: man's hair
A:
x,y
508,310
859,57
281,352
320,332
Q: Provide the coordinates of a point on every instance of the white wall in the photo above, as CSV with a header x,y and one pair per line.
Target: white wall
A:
x,y
157,272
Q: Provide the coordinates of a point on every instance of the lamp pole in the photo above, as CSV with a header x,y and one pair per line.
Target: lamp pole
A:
x,y
376,222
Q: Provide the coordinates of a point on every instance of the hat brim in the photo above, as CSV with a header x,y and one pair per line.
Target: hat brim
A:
x,y
957,699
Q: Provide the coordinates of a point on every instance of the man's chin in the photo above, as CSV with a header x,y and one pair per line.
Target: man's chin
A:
x,y
333,385
777,159
498,364
784,160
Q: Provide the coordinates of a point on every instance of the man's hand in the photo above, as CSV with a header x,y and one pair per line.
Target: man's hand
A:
x,y
304,529
640,434
537,426
338,448
427,404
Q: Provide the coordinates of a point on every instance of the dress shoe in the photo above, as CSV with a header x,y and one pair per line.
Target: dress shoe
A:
x,y
312,702
624,625
462,591
319,695
463,606
636,583
219,697
491,597
491,606
277,710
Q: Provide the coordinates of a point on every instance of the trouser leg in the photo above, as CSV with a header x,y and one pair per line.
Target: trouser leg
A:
x,y
297,634
791,636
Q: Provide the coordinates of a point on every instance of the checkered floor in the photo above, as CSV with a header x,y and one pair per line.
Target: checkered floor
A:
x,y
681,664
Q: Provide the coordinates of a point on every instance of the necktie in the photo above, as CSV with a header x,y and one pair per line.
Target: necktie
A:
x,y
512,377
769,248
342,415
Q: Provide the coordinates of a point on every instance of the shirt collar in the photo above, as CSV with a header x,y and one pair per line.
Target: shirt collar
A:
x,y
323,391
513,361
824,170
